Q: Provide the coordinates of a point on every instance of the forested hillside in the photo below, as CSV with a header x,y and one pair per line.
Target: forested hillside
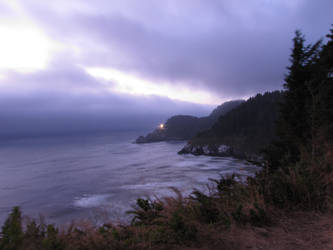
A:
x,y
287,205
248,128
184,127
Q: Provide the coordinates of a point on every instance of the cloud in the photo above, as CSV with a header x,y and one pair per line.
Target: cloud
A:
x,y
66,99
236,48
229,49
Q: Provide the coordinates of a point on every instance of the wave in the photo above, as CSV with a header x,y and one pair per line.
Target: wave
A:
x,y
90,201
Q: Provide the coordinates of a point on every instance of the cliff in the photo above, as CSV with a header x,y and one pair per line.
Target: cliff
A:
x,y
185,127
246,130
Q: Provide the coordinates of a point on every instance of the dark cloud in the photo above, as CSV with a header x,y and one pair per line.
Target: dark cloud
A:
x,y
66,99
45,113
232,48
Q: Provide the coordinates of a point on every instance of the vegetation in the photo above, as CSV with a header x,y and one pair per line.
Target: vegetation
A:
x,y
184,127
298,176
248,128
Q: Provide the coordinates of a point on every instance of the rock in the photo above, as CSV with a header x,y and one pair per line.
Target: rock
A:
x,y
140,139
197,150
224,150
187,149
206,150
220,150
155,136
211,150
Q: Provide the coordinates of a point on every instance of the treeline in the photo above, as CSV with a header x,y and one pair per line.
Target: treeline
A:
x,y
184,127
298,176
247,128
305,127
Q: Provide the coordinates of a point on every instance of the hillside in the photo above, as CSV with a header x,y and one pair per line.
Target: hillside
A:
x,y
286,205
245,130
184,127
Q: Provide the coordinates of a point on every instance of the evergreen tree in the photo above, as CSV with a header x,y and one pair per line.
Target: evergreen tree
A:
x,y
11,235
326,87
321,107
248,128
294,126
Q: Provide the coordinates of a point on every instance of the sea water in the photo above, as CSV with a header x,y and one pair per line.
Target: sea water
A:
x,y
99,176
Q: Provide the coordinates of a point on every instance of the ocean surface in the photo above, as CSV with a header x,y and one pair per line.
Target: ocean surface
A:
x,y
98,176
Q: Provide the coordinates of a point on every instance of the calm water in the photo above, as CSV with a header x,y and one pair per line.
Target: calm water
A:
x,y
98,176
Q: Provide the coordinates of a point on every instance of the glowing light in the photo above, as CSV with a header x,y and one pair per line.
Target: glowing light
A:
x,y
23,48
23,45
161,126
128,83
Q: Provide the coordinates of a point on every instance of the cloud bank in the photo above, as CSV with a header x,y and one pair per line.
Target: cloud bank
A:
x,y
192,50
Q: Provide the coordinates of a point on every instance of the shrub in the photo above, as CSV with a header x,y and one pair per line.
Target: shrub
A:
x,y
11,236
183,231
206,208
146,211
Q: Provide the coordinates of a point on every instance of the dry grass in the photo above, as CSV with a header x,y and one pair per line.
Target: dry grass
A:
x,y
300,230
263,213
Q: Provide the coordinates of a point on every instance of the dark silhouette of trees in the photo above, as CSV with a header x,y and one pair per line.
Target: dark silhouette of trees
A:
x,y
248,128
294,126
11,235
305,119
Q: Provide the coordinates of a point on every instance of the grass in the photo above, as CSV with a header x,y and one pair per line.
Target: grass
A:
x,y
200,220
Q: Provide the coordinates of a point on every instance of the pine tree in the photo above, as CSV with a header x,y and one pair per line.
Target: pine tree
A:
x,y
11,235
294,126
326,86
321,87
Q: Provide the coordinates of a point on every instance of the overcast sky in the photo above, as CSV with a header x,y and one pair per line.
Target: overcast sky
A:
x,y
80,60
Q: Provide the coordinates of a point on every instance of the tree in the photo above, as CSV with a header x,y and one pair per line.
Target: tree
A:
x,y
294,125
321,89
11,236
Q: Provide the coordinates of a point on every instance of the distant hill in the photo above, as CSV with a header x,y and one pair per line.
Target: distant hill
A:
x,y
184,127
246,129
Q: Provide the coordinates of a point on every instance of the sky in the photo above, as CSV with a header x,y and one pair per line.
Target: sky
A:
x,y
103,64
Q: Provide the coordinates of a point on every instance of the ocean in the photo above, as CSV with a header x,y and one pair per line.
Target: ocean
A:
x,y
99,176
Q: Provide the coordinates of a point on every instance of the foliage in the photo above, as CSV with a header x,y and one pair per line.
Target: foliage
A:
x,y
184,127
300,162
247,128
11,236
298,175
306,114
169,222
146,211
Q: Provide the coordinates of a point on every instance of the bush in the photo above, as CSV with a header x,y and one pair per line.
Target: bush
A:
x,y
206,208
183,231
12,235
146,211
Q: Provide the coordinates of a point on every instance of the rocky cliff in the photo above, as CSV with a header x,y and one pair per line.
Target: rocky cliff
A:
x,y
185,127
245,131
